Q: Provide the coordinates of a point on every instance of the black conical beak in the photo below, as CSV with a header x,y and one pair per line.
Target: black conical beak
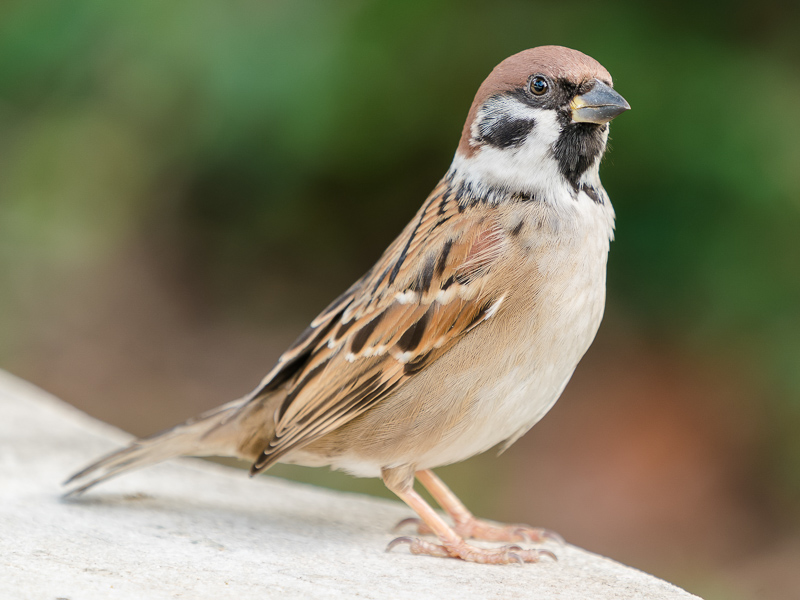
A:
x,y
599,105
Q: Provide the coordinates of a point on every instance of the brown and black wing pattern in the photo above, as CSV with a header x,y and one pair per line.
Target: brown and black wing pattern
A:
x,y
426,291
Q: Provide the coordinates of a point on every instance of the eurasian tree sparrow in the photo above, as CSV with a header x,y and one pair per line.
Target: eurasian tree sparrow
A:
x,y
464,333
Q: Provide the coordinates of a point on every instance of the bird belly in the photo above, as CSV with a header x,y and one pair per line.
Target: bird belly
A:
x,y
490,389
482,399
506,408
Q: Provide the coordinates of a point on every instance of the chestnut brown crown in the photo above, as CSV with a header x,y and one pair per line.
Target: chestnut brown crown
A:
x,y
556,62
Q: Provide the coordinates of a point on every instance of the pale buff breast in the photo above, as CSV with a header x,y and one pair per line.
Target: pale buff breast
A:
x,y
498,383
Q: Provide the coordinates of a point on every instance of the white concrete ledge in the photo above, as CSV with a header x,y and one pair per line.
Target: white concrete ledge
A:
x,y
196,530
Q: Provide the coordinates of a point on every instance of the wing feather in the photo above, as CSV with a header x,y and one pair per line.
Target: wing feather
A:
x,y
425,292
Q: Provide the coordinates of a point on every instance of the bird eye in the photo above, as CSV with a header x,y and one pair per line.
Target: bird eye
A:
x,y
539,85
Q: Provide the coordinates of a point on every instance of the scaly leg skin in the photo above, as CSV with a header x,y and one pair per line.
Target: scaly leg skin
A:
x,y
467,525
452,545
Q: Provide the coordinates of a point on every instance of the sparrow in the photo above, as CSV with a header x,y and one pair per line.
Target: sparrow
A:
x,y
467,329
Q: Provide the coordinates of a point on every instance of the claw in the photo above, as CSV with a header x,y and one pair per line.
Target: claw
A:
x,y
529,555
422,529
530,535
506,554
408,521
548,535
548,553
537,535
401,540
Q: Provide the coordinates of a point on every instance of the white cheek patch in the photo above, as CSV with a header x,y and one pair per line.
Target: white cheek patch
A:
x,y
504,117
527,167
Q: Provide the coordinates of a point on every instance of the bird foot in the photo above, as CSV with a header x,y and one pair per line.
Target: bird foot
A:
x,y
483,530
460,549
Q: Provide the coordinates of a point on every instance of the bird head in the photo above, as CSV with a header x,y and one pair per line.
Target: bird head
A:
x,y
539,121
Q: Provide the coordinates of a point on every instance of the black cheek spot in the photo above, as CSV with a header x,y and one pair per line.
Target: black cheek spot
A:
x,y
517,228
506,132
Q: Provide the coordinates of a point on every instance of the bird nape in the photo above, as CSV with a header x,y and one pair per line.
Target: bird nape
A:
x,y
464,333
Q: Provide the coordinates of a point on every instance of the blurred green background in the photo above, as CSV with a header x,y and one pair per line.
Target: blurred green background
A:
x,y
184,184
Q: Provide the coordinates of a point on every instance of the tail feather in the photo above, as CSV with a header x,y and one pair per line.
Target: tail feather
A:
x,y
218,432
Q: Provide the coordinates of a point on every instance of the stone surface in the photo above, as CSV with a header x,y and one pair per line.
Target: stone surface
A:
x,y
191,529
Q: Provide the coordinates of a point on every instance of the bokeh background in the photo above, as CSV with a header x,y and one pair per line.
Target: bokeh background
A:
x,y
184,184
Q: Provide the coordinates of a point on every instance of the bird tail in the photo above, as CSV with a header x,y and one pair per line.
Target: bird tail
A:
x,y
229,430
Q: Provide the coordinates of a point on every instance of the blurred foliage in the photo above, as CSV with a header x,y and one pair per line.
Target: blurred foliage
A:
x,y
296,138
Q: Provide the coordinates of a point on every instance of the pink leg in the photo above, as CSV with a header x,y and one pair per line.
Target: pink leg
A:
x,y
465,523
451,544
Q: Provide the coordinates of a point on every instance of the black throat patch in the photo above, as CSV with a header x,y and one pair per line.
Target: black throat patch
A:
x,y
577,148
